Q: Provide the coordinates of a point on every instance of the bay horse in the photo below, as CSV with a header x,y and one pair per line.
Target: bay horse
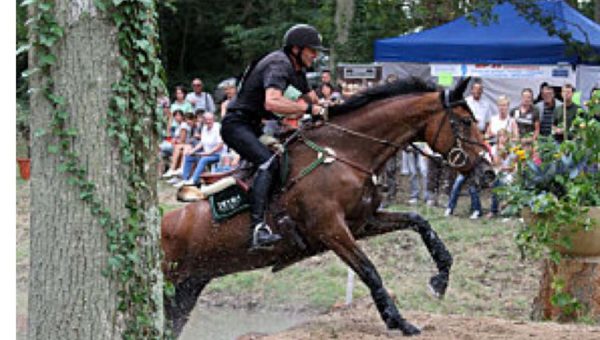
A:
x,y
336,203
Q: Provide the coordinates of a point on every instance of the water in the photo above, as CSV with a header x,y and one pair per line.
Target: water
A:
x,y
223,323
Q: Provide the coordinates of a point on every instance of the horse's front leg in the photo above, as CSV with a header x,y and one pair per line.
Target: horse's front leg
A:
x,y
385,221
339,239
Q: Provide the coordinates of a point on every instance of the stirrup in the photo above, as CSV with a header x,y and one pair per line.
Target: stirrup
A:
x,y
265,244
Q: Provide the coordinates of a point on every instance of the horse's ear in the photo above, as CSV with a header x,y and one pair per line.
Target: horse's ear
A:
x,y
458,92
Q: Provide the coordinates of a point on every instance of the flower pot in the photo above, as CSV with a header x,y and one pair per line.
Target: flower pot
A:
x,y
586,243
24,167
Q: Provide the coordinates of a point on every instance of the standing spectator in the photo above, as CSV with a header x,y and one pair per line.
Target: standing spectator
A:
x,y
230,92
504,164
527,117
162,106
483,113
417,167
435,179
200,99
480,106
565,113
546,108
204,153
502,121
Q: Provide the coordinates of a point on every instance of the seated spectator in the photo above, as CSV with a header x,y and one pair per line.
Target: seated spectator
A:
x,y
565,113
502,121
503,163
229,160
527,117
204,153
328,97
181,143
166,147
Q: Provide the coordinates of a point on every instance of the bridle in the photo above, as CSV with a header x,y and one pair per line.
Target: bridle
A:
x,y
457,157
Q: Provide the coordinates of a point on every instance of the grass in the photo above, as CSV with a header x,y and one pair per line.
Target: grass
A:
x,y
488,276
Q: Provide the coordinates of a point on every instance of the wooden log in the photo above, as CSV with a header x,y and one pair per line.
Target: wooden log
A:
x,y
581,277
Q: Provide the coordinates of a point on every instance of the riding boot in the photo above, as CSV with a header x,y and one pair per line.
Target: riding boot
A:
x,y
262,236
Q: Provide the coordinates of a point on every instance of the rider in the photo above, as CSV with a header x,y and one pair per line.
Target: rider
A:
x,y
262,93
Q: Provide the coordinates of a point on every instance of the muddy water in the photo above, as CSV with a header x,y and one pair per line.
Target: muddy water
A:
x,y
222,323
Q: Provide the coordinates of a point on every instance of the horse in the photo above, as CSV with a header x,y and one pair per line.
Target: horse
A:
x,y
336,203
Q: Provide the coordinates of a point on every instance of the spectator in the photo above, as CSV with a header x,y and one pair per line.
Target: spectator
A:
x,y
181,143
435,179
162,105
228,161
504,164
200,99
502,121
546,109
527,117
480,106
204,153
565,113
180,102
327,97
417,166
230,92
166,147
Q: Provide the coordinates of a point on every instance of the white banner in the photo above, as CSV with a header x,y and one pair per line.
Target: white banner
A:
x,y
499,71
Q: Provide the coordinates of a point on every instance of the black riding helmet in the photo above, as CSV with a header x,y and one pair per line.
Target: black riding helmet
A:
x,y
303,35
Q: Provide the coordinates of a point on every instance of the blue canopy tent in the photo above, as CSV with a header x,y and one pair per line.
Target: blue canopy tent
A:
x,y
510,40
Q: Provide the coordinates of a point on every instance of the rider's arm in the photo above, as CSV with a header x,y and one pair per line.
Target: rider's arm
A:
x,y
276,102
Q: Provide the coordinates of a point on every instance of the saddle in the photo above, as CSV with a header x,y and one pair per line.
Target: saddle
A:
x,y
227,192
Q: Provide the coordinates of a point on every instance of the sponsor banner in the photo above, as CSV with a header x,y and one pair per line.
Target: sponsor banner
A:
x,y
502,71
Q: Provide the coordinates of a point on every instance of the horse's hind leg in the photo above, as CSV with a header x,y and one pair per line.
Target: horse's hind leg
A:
x,y
179,306
385,221
343,244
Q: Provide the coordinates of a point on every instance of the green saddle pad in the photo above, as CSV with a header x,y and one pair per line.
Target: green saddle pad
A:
x,y
227,203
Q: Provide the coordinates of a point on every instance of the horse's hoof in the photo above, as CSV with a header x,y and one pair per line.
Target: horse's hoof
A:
x,y
438,284
409,329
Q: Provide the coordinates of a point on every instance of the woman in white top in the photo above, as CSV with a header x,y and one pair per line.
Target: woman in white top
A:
x,y
502,121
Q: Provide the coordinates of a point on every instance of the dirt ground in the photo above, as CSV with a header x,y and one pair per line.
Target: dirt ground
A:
x,y
359,321
362,322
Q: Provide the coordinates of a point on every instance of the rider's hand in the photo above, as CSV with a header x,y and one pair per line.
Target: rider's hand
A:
x,y
317,113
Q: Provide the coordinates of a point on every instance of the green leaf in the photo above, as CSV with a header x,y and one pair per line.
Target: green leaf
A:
x,y
23,48
71,132
39,133
53,149
101,5
26,3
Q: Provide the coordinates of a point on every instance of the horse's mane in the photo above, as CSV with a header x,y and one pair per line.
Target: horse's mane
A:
x,y
387,90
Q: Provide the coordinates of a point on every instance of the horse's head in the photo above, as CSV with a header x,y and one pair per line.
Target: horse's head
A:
x,y
452,131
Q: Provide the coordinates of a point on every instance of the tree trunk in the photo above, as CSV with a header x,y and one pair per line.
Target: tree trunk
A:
x,y
581,277
69,298
344,13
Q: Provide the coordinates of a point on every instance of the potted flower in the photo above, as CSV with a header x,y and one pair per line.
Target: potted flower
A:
x,y
23,142
557,192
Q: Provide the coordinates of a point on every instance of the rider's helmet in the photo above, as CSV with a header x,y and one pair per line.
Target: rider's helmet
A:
x,y
303,35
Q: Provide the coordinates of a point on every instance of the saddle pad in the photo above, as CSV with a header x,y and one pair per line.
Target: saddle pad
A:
x,y
228,202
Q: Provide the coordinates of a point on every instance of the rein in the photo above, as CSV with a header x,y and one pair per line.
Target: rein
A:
x,y
457,157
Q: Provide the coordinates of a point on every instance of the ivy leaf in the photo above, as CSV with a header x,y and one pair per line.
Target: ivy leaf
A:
x,y
28,72
26,3
120,103
53,149
100,5
39,133
23,48
47,59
